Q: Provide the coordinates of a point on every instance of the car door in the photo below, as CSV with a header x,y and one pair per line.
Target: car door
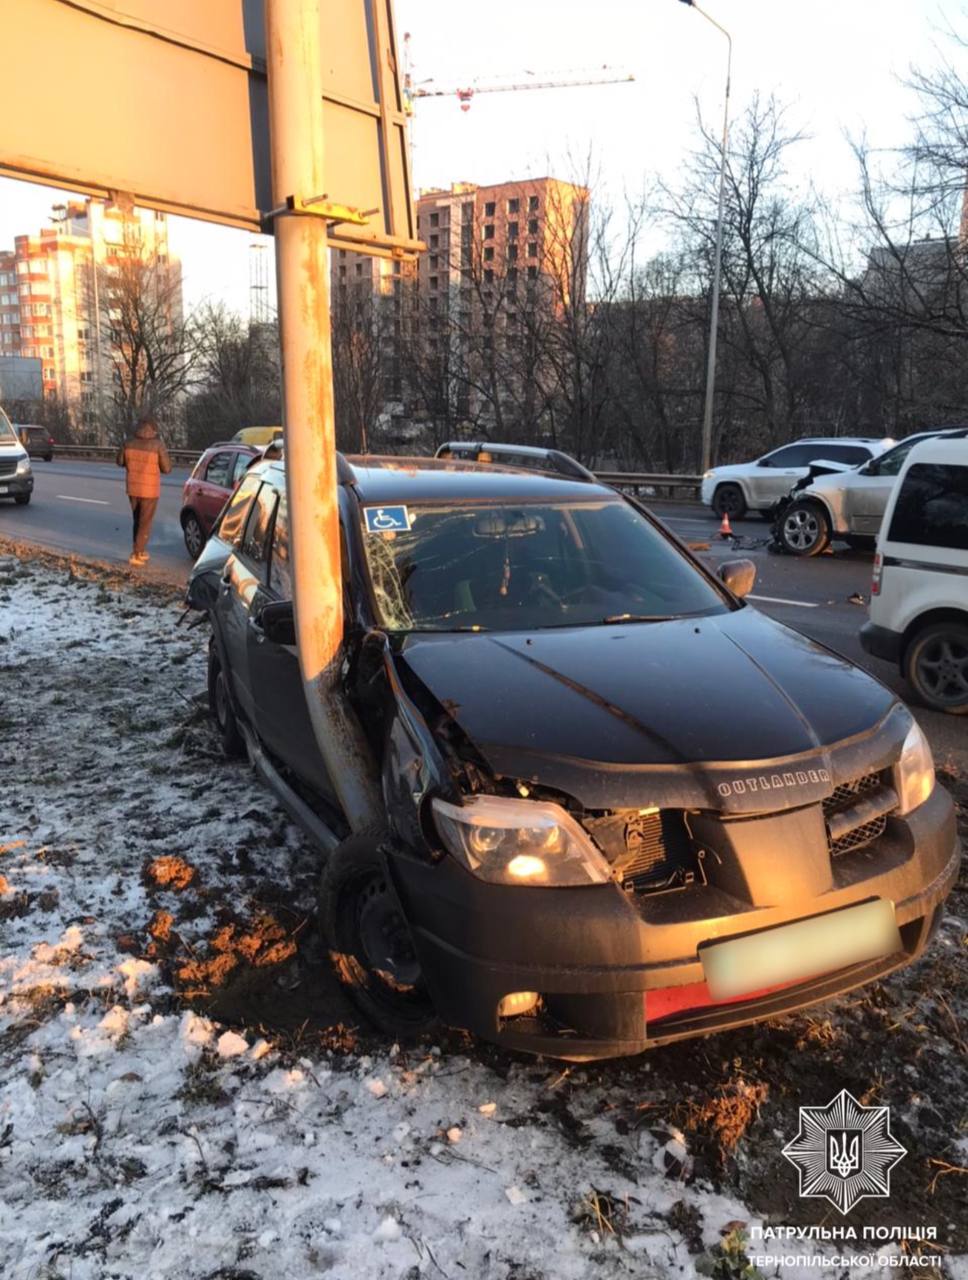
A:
x,y
214,486
870,488
775,474
281,714
243,577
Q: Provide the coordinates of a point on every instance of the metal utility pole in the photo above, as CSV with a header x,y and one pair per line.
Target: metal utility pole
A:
x,y
294,59
707,418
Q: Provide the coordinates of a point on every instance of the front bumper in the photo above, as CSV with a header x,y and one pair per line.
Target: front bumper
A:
x,y
16,486
881,642
619,973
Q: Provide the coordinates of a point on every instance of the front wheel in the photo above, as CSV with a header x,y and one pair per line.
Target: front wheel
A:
x,y
728,500
805,529
936,666
369,940
220,705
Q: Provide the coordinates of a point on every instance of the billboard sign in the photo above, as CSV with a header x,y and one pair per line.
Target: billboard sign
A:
x,y
165,103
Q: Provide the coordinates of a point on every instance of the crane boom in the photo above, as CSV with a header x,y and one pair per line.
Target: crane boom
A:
x,y
466,94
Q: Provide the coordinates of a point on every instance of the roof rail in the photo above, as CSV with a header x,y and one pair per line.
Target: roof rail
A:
x,y
486,451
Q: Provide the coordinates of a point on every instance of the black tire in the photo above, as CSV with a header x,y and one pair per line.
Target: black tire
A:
x,y
728,500
220,706
48,457
21,499
363,925
804,529
193,534
936,666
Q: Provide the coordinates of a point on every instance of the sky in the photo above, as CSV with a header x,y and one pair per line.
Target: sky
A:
x,y
839,65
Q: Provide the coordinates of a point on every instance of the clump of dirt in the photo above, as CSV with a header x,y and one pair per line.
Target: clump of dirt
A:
x,y
725,1115
160,926
262,943
170,872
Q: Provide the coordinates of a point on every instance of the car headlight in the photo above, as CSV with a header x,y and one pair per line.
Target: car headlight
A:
x,y
914,772
708,475
23,466
524,842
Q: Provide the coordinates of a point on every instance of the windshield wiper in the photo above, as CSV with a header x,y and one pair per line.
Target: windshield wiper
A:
x,y
634,617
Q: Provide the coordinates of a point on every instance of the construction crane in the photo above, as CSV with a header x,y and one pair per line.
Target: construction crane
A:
x,y
466,95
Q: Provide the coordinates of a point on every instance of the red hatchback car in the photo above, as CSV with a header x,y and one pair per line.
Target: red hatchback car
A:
x,y
216,474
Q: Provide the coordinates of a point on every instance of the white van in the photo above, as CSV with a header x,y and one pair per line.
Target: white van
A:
x,y
919,594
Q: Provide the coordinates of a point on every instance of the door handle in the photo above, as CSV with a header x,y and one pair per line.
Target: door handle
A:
x,y
260,635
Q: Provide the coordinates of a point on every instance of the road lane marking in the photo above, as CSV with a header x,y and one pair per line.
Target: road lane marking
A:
x,y
800,604
97,502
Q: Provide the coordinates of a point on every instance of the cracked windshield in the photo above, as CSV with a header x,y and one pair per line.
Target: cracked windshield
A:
x,y
514,568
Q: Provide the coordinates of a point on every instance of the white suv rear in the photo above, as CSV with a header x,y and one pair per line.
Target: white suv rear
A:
x,y
919,595
760,484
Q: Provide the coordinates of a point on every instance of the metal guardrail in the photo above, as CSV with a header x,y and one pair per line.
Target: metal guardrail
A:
x,y
106,453
655,480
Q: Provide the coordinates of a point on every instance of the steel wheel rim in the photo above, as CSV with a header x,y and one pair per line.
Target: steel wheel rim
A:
x,y
385,938
801,529
942,667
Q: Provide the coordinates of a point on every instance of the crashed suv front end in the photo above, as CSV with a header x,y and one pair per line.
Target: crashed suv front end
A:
x,y
811,850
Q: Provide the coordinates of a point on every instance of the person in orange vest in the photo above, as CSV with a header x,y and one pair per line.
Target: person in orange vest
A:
x,y
145,460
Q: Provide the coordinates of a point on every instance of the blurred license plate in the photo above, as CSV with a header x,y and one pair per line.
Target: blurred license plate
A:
x,y
801,950
4,488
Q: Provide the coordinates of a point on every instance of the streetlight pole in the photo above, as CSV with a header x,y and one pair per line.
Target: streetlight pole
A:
x,y
707,417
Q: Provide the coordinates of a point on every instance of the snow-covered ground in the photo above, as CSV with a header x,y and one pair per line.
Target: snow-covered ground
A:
x,y
143,877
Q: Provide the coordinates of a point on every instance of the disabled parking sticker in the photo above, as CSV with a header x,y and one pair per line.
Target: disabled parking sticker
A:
x,y
387,519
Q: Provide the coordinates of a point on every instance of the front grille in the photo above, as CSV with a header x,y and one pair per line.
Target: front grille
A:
x,y
8,466
856,813
647,850
847,793
856,839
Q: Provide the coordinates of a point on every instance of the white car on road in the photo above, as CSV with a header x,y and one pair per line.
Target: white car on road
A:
x,y
919,593
847,504
759,485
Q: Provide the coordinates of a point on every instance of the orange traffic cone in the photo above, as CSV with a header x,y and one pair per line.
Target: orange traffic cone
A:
x,y
724,529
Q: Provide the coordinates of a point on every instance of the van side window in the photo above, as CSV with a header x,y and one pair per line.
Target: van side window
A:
x,y
233,517
932,507
256,540
281,571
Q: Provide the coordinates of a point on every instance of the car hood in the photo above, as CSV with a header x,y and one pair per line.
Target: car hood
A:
x,y
203,580
616,715
734,469
827,477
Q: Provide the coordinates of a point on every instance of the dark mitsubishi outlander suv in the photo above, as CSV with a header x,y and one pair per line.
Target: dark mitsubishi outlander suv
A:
x,y
622,805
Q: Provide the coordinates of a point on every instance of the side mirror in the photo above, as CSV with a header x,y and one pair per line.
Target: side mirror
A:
x,y
738,576
763,462
277,622
869,468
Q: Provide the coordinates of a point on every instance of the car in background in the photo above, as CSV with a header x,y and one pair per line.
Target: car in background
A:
x,y
16,474
38,441
215,475
617,806
919,593
257,435
846,504
759,485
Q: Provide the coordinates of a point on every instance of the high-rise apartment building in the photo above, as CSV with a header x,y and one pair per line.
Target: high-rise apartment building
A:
x,y
52,287
533,230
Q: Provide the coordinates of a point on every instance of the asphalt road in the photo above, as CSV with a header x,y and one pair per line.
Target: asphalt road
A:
x,y
81,507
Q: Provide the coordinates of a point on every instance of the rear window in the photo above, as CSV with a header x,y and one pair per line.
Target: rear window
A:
x,y
852,454
932,507
220,468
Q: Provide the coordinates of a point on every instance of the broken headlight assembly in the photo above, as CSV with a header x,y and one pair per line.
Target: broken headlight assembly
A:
x,y
523,842
914,771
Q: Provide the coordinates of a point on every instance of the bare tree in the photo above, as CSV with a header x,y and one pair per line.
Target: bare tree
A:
x,y
149,344
235,375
